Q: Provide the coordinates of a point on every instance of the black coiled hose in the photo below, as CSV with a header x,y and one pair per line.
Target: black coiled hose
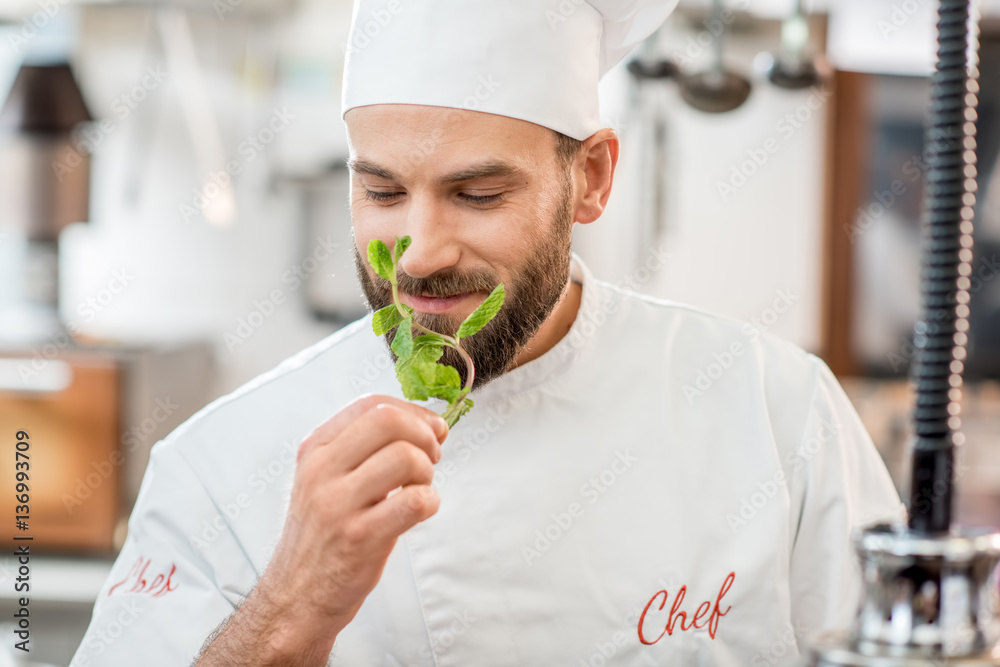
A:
x,y
940,336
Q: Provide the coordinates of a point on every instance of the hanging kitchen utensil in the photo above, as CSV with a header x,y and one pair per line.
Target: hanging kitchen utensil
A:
x,y
793,68
644,71
716,90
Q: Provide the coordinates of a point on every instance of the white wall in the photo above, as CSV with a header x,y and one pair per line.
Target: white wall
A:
x,y
188,278
731,252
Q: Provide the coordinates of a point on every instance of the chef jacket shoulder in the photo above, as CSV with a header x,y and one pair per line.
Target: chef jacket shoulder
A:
x,y
247,428
707,373
708,363
289,393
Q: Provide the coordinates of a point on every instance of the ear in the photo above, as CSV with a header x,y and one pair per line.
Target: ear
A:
x,y
593,172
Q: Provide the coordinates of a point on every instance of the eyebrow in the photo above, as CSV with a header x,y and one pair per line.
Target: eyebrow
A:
x,y
489,169
364,167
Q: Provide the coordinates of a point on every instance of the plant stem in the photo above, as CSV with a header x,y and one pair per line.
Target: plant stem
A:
x,y
452,410
449,341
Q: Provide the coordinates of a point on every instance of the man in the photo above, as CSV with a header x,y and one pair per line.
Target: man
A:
x,y
639,482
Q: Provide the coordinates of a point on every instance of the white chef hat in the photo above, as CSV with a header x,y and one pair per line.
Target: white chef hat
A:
x,y
536,60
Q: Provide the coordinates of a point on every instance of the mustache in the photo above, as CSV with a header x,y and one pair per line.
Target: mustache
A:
x,y
446,284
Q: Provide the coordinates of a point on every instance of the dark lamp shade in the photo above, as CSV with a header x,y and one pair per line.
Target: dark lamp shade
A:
x,y
44,100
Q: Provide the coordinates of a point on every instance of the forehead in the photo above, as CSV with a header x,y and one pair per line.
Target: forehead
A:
x,y
404,137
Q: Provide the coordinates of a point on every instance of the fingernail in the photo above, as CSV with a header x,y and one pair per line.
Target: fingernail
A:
x,y
439,425
440,453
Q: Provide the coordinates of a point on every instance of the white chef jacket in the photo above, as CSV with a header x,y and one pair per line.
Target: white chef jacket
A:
x,y
663,486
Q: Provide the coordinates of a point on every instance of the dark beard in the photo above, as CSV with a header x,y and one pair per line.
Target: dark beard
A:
x,y
530,300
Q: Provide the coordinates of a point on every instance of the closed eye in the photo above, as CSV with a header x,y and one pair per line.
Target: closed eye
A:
x,y
481,199
374,195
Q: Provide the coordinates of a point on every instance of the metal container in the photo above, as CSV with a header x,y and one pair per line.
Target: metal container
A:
x,y
928,600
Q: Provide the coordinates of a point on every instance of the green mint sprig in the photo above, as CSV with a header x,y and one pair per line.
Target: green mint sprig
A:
x,y
418,370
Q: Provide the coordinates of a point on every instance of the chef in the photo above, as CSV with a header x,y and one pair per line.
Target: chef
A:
x,y
639,483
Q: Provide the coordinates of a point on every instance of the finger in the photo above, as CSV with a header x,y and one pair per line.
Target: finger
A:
x,y
335,425
397,464
373,430
401,511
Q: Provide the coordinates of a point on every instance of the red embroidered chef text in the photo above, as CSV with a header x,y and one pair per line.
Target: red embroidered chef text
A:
x,y
161,584
679,619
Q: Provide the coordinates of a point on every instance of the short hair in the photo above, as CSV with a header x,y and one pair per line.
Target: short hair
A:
x,y
567,148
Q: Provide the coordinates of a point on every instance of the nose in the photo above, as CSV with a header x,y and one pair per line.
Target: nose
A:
x,y
434,245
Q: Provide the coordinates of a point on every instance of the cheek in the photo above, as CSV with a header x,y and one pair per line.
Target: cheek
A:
x,y
517,232
363,208
369,221
499,244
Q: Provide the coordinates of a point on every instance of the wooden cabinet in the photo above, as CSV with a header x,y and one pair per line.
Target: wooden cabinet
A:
x,y
70,409
93,413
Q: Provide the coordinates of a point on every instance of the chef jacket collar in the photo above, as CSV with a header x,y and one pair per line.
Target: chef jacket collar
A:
x,y
573,347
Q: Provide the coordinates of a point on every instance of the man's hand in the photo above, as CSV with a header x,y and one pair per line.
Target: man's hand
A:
x,y
341,526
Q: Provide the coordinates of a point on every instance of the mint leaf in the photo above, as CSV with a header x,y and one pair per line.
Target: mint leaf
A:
x,y
402,342
483,314
418,368
424,359
449,394
432,340
380,259
414,387
401,245
385,319
418,371
447,376
465,406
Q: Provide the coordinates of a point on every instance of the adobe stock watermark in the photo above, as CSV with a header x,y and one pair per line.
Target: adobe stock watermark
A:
x,y
977,279
486,85
757,157
102,638
785,646
471,441
362,34
223,7
34,23
928,496
714,27
89,308
264,308
724,359
462,445
443,640
563,521
899,15
752,504
371,371
592,321
248,149
562,12
607,649
130,441
89,136
884,200
257,482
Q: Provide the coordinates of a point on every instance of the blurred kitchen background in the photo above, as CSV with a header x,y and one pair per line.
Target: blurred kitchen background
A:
x,y
173,222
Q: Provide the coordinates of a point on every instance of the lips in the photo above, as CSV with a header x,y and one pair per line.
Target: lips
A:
x,y
434,304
